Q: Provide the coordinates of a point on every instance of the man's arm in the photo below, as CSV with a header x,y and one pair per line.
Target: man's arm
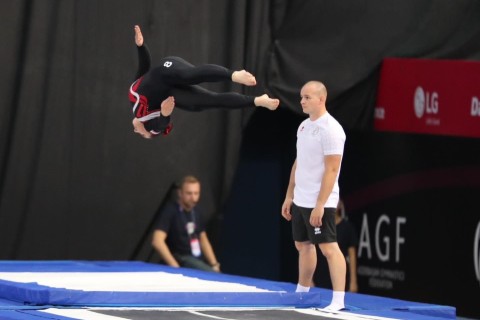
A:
x,y
158,242
332,168
208,251
287,204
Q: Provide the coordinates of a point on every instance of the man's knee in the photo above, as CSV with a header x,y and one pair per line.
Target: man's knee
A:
x,y
306,246
329,249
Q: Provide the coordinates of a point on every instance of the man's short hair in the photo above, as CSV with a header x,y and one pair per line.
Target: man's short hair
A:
x,y
187,179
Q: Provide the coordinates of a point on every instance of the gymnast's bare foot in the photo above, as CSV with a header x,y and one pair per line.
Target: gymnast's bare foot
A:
x,y
244,77
138,36
267,102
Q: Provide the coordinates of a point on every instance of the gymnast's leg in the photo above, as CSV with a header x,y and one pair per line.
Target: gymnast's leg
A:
x,y
196,98
177,71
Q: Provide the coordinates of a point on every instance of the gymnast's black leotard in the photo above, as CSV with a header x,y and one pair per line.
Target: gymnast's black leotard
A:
x,y
178,78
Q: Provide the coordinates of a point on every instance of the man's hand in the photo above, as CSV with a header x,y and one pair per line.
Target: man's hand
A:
x,y
167,106
216,267
316,216
287,204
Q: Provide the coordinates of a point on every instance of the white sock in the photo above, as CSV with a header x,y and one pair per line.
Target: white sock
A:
x,y
301,288
337,303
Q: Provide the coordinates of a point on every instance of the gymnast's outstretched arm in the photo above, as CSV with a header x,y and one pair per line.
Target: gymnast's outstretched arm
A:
x,y
144,60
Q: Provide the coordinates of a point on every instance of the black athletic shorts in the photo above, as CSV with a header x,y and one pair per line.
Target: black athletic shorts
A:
x,y
302,230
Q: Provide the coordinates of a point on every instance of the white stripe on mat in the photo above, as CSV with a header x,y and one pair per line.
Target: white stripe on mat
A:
x,y
208,315
81,314
127,282
86,314
341,315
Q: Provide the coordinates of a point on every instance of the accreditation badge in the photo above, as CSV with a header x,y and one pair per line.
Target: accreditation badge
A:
x,y
195,246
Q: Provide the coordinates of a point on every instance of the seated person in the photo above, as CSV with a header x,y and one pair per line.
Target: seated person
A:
x,y
179,236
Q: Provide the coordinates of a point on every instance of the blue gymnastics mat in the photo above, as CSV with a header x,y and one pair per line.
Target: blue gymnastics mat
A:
x,y
29,287
84,283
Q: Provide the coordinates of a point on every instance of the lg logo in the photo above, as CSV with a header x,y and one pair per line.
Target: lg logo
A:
x,y
475,110
476,252
425,102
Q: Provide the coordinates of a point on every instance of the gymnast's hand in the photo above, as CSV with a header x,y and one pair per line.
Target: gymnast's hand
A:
x,y
167,106
138,36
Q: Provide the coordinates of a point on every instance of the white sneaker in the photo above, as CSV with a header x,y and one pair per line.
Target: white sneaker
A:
x,y
333,307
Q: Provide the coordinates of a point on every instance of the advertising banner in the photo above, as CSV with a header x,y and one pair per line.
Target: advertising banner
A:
x,y
429,97
413,199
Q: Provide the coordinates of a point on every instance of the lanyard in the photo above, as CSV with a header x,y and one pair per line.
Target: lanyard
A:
x,y
189,225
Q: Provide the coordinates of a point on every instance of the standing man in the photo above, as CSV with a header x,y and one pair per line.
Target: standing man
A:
x,y
180,237
313,192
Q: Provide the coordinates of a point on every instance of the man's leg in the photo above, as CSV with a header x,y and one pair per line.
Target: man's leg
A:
x,y
187,261
307,262
338,271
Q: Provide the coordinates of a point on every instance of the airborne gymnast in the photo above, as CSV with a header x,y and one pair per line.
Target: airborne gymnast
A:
x,y
174,83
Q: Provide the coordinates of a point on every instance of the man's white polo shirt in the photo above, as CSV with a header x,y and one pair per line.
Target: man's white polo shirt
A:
x,y
315,140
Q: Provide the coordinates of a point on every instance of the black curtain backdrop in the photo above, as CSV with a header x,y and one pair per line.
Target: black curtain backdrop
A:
x,y
75,182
